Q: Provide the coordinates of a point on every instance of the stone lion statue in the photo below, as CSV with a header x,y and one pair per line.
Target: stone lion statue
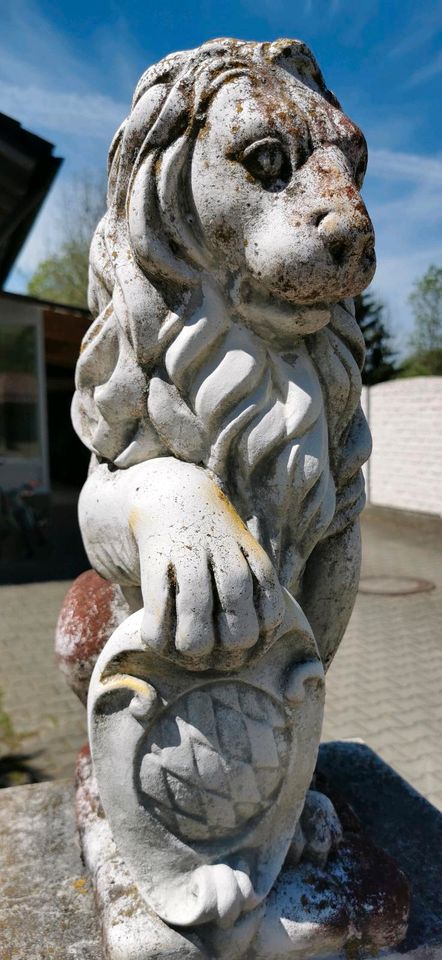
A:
x,y
218,392
224,336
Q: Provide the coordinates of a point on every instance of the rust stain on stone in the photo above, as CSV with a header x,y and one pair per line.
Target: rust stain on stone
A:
x,y
91,611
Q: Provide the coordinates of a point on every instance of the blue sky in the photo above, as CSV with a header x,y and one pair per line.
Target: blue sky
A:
x,y
67,72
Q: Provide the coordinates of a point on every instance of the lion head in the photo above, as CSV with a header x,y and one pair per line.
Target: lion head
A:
x,y
220,276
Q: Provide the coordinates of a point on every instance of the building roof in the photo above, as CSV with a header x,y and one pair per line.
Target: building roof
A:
x,y
27,298
27,169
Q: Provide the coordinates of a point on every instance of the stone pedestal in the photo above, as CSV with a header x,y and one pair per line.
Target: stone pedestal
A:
x,y
404,824
47,909
358,899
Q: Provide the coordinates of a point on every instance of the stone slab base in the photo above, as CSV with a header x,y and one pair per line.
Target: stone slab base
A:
x,y
401,821
47,911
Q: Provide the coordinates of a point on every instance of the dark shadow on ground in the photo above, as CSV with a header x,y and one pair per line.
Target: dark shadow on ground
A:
x,y
18,769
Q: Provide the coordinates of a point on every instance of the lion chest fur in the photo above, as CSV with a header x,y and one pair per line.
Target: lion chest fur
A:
x,y
255,418
282,431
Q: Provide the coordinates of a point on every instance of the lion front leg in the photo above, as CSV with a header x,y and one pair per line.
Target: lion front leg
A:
x,y
329,588
209,590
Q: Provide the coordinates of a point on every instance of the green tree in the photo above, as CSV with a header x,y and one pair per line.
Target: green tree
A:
x,y
380,355
425,359
63,274
427,363
426,303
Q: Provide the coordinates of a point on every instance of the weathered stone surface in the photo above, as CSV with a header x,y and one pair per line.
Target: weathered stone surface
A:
x,y
47,909
130,930
93,608
402,822
358,903
204,779
47,912
219,392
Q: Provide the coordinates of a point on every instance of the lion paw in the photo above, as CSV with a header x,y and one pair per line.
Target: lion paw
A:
x,y
318,831
221,893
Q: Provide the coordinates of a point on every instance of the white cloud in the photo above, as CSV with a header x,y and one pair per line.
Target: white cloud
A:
x,y
394,279
75,100
93,115
45,83
392,164
405,193
430,70
404,196
422,28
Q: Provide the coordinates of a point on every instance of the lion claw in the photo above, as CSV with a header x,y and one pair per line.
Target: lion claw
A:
x,y
318,831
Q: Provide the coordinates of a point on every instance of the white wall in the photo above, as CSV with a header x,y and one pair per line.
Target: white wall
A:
x,y
405,468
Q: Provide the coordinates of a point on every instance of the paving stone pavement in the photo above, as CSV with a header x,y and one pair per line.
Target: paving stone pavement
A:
x,y
45,714
384,686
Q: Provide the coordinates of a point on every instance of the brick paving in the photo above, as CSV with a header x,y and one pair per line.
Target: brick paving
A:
x,y
36,698
384,687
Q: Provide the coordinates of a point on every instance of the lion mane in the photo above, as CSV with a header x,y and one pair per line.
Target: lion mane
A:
x,y
167,369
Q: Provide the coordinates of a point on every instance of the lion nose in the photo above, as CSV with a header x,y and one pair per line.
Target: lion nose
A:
x,y
341,234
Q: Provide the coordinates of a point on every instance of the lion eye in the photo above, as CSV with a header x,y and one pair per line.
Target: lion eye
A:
x,y
268,161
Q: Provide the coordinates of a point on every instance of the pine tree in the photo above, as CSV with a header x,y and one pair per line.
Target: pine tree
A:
x,y
380,356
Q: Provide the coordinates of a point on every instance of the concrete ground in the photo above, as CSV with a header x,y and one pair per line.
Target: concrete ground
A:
x,y
384,687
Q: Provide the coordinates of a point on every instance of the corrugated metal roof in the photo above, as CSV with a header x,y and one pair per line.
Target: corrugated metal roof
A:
x,y
27,169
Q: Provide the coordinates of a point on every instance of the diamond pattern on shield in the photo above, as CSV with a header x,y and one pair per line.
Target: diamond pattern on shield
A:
x,y
214,759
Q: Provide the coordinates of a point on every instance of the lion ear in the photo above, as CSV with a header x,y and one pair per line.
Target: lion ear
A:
x,y
297,58
129,140
157,214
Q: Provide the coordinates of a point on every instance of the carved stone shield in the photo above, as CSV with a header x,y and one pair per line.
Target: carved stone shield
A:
x,y
203,777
